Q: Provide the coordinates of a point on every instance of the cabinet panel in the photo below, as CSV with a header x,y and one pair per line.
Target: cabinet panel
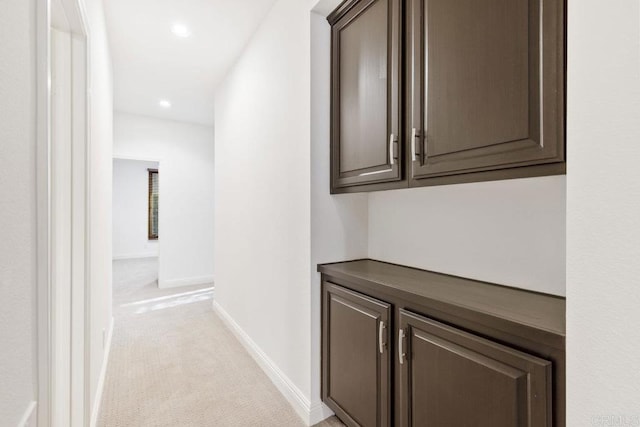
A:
x,y
363,90
486,85
356,362
366,54
452,378
479,77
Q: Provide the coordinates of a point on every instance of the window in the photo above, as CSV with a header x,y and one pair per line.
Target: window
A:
x,y
153,204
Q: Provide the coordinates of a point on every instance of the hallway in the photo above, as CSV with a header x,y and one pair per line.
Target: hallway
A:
x,y
174,363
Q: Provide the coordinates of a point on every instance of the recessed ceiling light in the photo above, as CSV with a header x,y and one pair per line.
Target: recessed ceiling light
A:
x,y
164,103
180,30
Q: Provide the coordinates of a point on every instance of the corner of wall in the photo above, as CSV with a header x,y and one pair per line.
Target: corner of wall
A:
x,y
310,414
96,404
29,418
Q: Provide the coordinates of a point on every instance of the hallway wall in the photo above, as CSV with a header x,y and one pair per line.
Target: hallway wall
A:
x,y
275,219
18,356
603,213
510,232
262,212
185,153
131,209
101,121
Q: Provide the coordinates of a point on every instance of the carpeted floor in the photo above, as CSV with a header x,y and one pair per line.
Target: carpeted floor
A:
x,y
174,363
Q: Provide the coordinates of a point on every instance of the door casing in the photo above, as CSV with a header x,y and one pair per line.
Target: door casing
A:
x,y
62,153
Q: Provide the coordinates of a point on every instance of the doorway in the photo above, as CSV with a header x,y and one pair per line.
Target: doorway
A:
x,y
136,231
63,215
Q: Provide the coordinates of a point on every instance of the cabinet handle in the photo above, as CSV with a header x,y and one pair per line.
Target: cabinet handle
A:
x,y
414,135
424,147
401,353
381,343
391,158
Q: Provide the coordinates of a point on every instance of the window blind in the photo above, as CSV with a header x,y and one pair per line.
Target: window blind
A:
x,y
153,204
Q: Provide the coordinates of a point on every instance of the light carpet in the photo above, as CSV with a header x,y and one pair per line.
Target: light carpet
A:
x,y
174,363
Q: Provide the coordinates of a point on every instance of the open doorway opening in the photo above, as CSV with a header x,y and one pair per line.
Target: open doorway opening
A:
x,y
136,231
158,324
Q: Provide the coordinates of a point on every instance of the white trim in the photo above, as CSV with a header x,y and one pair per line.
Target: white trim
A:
x,y
27,419
63,226
80,337
187,281
319,412
52,330
310,414
135,256
43,213
95,411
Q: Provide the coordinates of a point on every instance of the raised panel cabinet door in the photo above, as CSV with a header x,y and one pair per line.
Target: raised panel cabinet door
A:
x,y
486,86
453,378
355,357
365,94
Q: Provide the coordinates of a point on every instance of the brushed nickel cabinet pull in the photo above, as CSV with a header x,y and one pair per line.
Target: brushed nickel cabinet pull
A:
x,y
381,343
414,135
401,353
391,158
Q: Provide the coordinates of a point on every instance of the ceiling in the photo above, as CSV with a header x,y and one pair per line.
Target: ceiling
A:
x,y
153,64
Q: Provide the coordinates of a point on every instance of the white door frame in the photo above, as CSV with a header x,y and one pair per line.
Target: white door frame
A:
x,y
63,215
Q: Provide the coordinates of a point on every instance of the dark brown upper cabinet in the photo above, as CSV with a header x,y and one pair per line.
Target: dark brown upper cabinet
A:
x,y
366,145
483,92
486,87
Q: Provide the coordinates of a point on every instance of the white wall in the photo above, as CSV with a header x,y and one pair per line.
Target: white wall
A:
x,y
186,156
508,232
275,219
262,213
101,134
17,209
131,209
603,213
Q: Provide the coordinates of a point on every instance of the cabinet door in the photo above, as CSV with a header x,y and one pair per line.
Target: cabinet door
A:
x,y
355,357
366,53
452,378
486,88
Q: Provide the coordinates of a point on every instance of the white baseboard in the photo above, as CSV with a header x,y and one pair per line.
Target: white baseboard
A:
x,y
135,256
319,412
29,419
188,281
310,413
95,411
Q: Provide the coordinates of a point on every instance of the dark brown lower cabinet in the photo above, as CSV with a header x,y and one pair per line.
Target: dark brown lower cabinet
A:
x,y
406,347
452,378
356,355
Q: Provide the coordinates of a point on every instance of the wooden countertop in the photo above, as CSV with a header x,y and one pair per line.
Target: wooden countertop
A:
x,y
525,312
